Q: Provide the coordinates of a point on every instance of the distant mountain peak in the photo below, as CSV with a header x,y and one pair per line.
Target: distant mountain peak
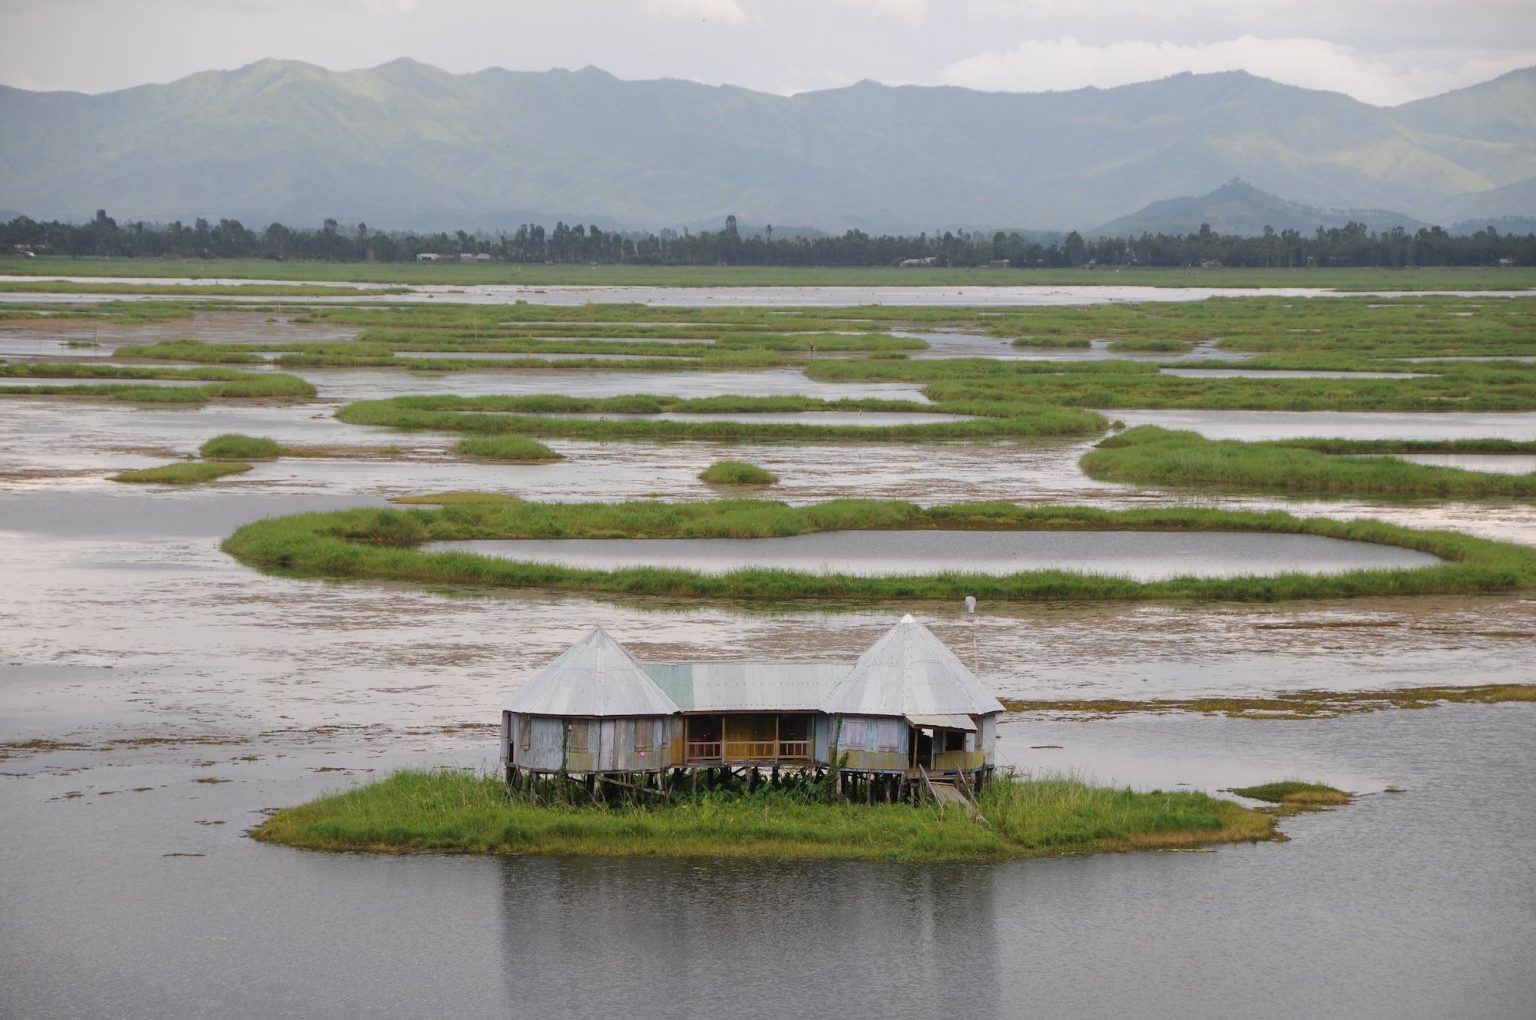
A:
x,y
407,144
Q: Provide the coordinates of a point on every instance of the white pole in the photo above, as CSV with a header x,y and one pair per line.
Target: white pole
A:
x,y
970,613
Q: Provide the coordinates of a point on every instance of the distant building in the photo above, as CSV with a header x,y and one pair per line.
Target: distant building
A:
x,y
905,713
923,263
998,264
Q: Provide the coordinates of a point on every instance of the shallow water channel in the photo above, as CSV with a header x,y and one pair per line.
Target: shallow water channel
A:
x,y
1141,555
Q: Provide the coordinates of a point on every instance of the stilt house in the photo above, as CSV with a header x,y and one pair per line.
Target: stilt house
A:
x,y
907,708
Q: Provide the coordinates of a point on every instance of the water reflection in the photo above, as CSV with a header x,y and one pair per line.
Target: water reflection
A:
x,y
720,938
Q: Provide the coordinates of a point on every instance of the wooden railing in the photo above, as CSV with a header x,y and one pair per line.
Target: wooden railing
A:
x,y
748,750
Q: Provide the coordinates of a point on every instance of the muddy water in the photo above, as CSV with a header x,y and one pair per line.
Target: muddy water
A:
x,y
1339,424
949,344
344,384
1142,555
1501,464
737,297
120,620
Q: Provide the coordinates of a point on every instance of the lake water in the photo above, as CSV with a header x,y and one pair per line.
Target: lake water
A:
x,y
946,344
728,297
127,633
1501,464
1143,555
1339,424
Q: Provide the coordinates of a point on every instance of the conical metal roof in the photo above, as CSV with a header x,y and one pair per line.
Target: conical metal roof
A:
x,y
593,677
909,672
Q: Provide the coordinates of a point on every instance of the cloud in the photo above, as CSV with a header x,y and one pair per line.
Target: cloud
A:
x,y
1384,79
909,11
688,10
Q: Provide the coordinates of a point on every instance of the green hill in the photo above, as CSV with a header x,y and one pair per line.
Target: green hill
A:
x,y
408,145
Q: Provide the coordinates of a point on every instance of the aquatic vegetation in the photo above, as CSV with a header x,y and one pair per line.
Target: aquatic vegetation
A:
x,y
1295,794
737,472
535,416
182,473
506,450
455,812
233,446
127,382
1150,455
339,545
1151,344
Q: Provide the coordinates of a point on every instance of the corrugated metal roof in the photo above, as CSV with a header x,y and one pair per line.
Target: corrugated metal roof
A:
x,y
748,686
593,677
907,673
910,672
942,722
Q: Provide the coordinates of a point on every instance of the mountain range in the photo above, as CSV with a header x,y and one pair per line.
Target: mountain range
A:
x,y
406,145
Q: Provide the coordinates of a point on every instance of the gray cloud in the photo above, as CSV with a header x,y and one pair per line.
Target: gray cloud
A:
x,y
1383,51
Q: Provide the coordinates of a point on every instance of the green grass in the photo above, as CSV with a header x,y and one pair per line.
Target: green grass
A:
x,y
737,472
452,812
1048,343
494,415
1295,794
506,450
1168,345
1149,455
234,446
379,544
126,383
183,473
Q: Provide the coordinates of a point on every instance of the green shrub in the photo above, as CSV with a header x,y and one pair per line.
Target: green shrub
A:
x,y
737,472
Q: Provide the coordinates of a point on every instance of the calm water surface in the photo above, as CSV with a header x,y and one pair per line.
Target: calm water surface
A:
x,y
1142,555
126,632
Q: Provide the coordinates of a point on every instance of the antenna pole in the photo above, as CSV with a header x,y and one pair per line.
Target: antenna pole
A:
x,y
970,614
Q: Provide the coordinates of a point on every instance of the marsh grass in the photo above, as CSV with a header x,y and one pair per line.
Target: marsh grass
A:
x,y
737,472
506,450
535,416
1150,455
234,446
1295,795
342,544
454,812
1151,344
117,382
182,473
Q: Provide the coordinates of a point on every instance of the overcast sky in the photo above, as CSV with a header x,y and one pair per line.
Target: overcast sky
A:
x,y
1380,51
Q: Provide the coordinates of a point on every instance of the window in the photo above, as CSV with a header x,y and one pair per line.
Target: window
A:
x,y
644,730
889,735
852,734
577,730
525,726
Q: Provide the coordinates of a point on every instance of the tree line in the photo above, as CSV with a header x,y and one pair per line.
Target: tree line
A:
x,y
1351,245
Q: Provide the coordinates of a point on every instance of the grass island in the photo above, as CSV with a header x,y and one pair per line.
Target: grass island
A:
x,y
1019,817
383,545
